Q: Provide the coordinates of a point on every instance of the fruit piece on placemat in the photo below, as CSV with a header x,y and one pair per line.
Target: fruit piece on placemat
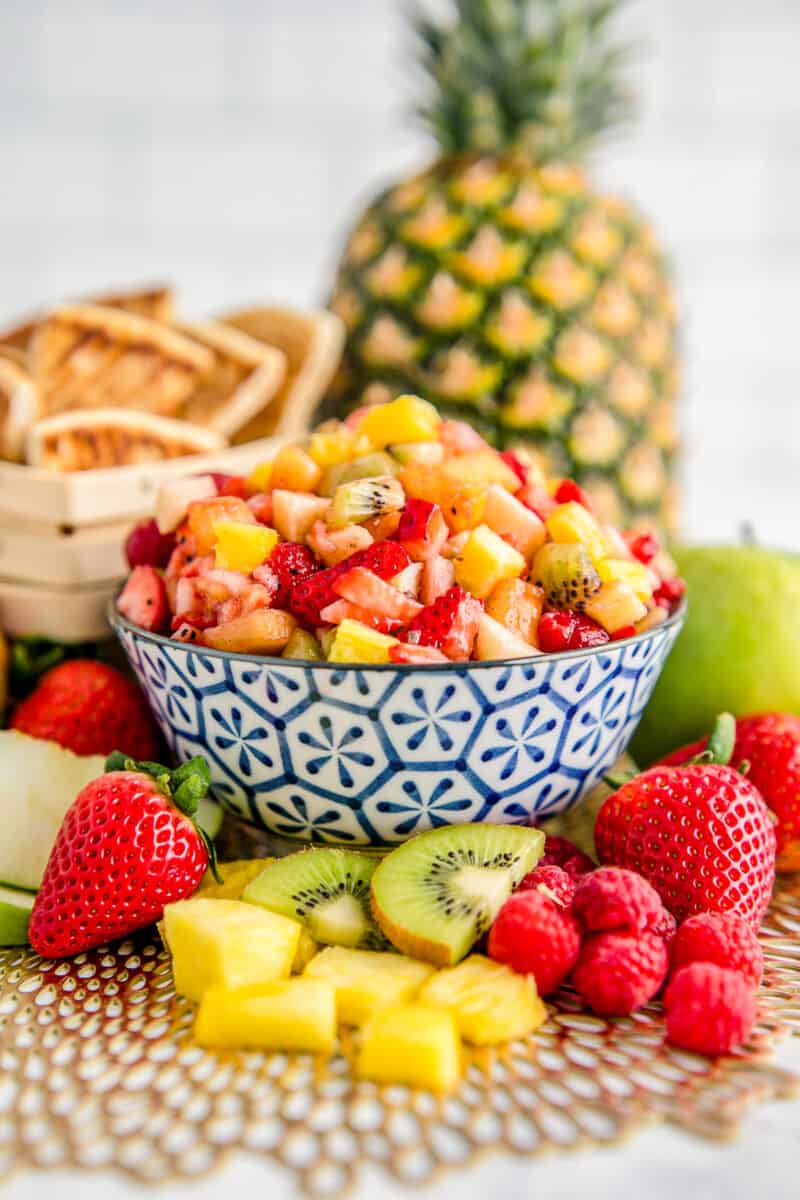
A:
x,y
85,440
287,1014
490,1002
87,356
414,1044
366,980
244,377
19,406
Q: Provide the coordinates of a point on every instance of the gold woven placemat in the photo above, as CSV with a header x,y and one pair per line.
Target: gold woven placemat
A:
x,y
98,1070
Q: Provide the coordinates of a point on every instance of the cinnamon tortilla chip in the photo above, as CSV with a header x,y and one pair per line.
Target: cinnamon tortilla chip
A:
x,y
85,440
242,382
19,405
157,303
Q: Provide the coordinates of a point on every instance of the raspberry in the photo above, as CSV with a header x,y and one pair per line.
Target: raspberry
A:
x,y
534,936
145,546
669,594
720,938
619,972
561,852
666,926
614,898
645,547
553,881
709,1009
290,563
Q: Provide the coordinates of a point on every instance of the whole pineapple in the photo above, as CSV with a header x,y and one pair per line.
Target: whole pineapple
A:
x,y
499,284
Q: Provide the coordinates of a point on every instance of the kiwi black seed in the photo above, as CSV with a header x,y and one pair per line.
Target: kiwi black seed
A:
x,y
567,574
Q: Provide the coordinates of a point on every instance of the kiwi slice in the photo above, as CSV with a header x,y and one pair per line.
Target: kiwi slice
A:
x,y
378,463
325,888
567,574
364,498
435,895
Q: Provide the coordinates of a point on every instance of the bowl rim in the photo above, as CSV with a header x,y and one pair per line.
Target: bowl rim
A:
x,y
117,621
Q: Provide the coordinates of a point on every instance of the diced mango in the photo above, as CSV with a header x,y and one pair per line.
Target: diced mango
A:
x,y
406,419
294,470
615,605
518,606
411,1044
241,547
490,1002
365,980
635,574
265,631
260,478
485,560
227,943
573,523
203,515
289,1014
355,642
235,878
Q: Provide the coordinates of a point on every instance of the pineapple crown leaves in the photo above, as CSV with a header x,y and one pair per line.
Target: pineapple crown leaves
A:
x,y
539,78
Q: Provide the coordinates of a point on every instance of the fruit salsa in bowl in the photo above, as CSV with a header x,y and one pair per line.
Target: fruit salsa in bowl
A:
x,y
391,627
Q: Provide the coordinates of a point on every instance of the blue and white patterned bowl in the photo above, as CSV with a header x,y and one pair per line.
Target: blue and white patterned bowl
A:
x,y
369,755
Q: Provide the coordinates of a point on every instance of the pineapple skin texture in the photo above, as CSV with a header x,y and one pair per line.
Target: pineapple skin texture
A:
x,y
518,298
411,1044
288,1014
490,1002
227,943
366,980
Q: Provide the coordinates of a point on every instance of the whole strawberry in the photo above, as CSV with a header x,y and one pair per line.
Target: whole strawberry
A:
x,y
701,834
127,847
770,744
90,708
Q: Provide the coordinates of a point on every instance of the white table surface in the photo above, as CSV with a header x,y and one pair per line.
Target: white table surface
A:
x,y
661,1163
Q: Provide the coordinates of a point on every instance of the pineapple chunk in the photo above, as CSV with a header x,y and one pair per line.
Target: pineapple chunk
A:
x,y
288,1014
331,447
260,478
241,547
490,1002
480,466
623,570
355,642
235,878
265,631
295,471
367,979
406,419
227,943
484,560
615,606
573,523
411,1044
203,515
509,517
307,947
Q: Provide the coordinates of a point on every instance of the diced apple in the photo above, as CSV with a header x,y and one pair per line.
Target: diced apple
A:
x,y
265,631
345,610
333,546
438,576
514,522
293,513
289,1014
408,580
175,496
494,642
485,560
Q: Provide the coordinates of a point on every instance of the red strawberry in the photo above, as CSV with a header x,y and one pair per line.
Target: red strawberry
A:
x,y
569,490
701,834
422,529
569,631
290,562
127,847
144,601
450,624
146,546
517,466
418,656
645,547
669,593
90,708
770,743
309,596
365,589
231,485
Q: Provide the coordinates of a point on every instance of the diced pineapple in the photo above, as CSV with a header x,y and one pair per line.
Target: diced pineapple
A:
x,y
235,878
203,515
509,517
330,447
480,466
615,606
241,547
265,631
227,943
289,1014
573,523
411,1044
406,419
518,606
260,478
294,470
295,512
485,560
367,979
490,1002
307,947
355,642
635,574
303,645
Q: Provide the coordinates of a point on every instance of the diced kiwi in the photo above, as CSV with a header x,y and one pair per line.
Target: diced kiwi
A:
x,y
325,888
567,574
362,499
378,463
435,895
303,644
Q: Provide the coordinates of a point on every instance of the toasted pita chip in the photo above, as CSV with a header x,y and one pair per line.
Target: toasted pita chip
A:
x,y
114,437
243,380
157,303
19,405
312,343
86,356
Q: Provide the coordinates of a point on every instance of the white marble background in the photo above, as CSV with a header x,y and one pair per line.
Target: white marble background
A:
x,y
224,143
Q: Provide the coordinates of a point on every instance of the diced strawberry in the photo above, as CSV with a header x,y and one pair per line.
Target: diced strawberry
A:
x,y
626,631
408,580
438,576
449,623
538,500
422,529
309,596
375,595
290,562
342,610
517,466
145,546
334,546
230,485
269,580
569,631
644,546
262,507
669,593
144,600
419,656
568,490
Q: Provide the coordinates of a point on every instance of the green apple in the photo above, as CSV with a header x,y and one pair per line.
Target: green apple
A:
x,y
15,911
738,652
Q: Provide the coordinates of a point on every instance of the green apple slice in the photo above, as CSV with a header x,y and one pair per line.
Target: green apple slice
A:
x,y
15,912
